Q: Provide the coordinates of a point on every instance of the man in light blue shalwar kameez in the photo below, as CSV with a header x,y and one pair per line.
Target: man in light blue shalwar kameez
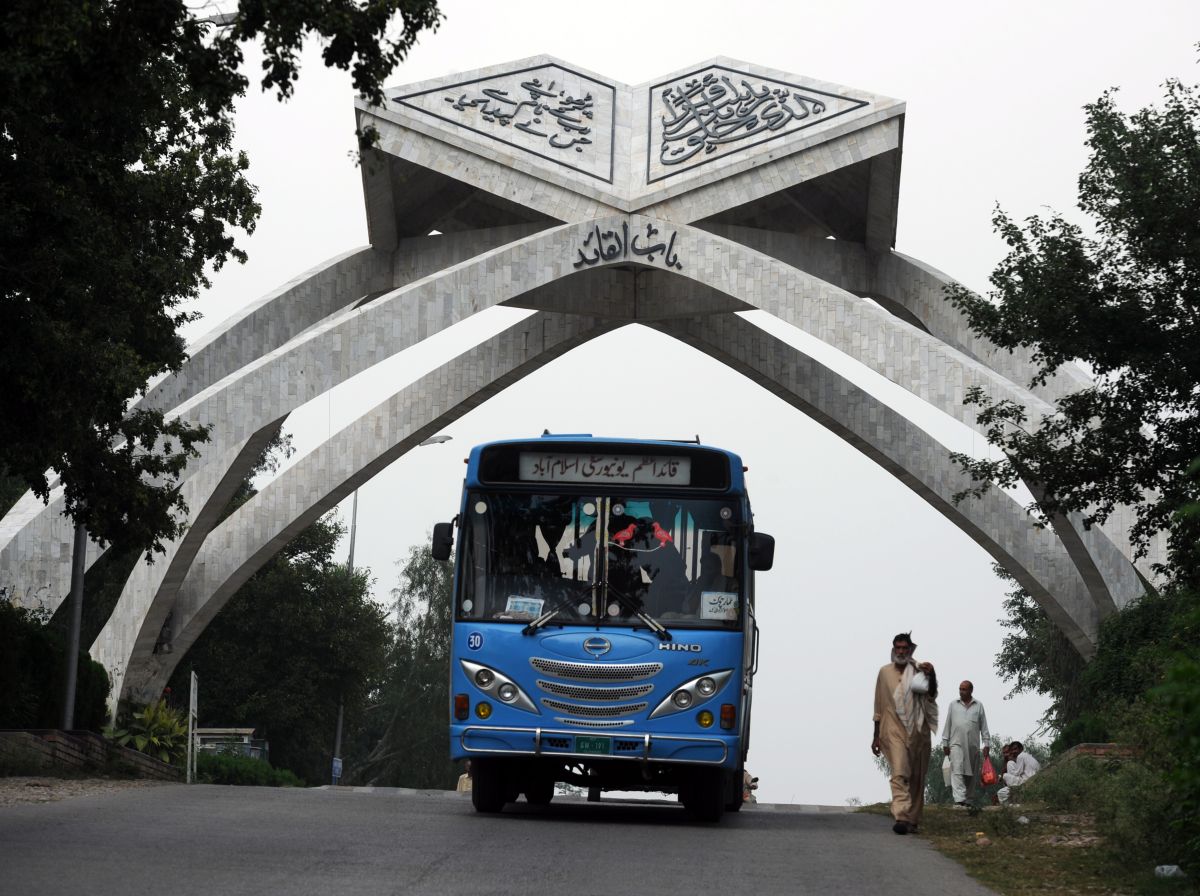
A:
x,y
966,726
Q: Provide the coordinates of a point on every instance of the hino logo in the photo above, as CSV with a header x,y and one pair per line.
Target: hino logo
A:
x,y
597,647
674,645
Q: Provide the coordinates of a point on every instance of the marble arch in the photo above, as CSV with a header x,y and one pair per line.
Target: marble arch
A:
x,y
676,203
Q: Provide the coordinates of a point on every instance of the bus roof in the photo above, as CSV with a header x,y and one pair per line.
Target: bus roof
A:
x,y
588,442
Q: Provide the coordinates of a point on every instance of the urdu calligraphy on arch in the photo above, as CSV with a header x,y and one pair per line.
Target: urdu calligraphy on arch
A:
x,y
711,113
550,111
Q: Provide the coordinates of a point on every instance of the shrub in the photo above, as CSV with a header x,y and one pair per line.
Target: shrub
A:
x,y
1134,809
156,730
223,768
33,675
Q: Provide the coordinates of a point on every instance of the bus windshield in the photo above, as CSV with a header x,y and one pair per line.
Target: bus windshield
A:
x,y
602,560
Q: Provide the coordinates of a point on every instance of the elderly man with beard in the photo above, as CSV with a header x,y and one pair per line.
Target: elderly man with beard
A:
x,y
906,715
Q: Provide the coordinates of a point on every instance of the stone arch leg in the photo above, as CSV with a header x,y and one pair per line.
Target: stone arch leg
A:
x,y
144,605
257,530
996,522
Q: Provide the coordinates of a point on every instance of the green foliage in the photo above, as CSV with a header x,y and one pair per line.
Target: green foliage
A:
x,y
33,674
300,635
11,488
1124,302
220,768
121,189
413,711
1036,656
1179,740
1133,809
156,730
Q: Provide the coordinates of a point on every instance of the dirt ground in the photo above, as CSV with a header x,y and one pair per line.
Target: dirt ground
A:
x,y
24,791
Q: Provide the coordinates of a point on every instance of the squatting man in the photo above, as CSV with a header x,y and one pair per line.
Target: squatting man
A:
x,y
906,715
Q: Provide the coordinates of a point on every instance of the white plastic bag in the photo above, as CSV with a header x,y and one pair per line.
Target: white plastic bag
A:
x,y
946,771
919,683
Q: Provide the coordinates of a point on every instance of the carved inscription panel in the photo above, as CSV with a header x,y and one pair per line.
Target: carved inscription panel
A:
x,y
714,112
549,111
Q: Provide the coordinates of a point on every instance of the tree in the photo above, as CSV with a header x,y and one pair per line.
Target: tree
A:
x,y
413,745
119,187
31,675
300,635
1036,656
1124,300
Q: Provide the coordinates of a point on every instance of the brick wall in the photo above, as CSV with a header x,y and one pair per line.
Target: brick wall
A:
x,y
84,750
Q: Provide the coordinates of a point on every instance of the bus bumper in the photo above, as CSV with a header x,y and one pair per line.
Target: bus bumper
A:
x,y
485,740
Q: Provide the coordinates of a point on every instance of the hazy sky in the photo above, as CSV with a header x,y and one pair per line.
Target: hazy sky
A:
x,y
994,115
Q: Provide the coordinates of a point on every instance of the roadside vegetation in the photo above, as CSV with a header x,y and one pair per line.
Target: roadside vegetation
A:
x,y
227,768
1119,293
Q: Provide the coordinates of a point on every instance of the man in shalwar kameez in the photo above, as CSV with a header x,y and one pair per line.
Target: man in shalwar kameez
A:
x,y
966,726
906,715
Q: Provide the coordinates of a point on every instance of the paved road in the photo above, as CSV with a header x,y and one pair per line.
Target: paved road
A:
x,y
226,841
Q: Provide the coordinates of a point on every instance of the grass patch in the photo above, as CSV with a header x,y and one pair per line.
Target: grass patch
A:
x,y
1054,852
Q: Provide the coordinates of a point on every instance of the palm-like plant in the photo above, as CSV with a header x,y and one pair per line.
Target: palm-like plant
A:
x,y
156,730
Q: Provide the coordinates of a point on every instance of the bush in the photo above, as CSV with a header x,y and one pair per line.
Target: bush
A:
x,y
1180,696
1134,809
223,768
33,674
156,730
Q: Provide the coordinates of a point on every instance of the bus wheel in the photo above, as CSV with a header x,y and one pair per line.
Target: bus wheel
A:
x,y
489,788
734,790
703,794
539,791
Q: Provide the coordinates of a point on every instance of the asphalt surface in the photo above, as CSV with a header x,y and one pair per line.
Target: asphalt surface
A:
x,y
242,840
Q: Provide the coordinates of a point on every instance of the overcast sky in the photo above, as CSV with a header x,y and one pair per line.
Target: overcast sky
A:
x,y
994,97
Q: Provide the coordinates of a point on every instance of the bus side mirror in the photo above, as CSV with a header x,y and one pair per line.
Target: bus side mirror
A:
x,y
443,541
762,551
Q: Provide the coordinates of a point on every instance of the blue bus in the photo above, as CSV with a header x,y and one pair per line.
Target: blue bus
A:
x,y
603,631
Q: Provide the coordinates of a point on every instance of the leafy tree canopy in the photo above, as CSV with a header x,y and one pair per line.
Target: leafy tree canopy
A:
x,y
1123,298
301,635
119,186
410,721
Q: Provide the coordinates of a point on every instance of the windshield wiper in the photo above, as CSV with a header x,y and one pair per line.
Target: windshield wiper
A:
x,y
560,604
653,624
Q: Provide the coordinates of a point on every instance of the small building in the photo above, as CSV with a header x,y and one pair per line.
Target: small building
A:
x,y
235,741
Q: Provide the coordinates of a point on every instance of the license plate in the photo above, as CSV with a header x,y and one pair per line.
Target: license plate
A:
x,y
597,746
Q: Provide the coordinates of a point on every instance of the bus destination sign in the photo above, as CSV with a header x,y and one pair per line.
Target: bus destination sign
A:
x,y
609,469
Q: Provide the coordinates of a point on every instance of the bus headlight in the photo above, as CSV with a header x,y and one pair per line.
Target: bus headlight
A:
x,y
495,683
692,692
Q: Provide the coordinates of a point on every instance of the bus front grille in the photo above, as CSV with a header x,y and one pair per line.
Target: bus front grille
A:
x,y
596,671
592,723
582,692
624,709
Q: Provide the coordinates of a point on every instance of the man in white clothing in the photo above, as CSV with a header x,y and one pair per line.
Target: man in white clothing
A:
x,y
966,726
1021,767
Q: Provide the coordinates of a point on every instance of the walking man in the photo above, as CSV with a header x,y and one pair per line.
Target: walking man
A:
x,y
906,715
966,727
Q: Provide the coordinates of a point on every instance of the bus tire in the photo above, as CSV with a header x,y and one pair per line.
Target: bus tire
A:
x,y
703,794
489,787
539,791
734,789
